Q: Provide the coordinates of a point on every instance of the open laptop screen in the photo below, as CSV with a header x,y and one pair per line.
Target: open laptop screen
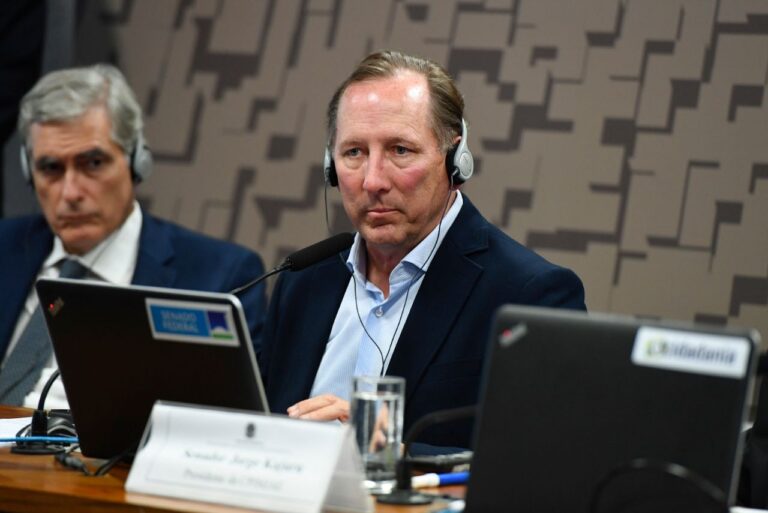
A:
x,y
570,397
119,349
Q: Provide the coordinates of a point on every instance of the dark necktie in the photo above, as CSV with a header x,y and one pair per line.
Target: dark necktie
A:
x,y
33,350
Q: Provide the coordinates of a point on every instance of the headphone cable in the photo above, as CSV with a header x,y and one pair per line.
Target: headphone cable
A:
x,y
415,278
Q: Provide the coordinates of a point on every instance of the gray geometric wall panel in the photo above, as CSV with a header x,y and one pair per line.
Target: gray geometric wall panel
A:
x,y
625,139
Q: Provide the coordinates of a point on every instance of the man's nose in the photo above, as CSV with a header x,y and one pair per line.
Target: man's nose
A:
x,y
376,174
72,186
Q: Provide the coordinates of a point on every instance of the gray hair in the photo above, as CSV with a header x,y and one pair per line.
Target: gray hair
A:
x,y
447,104
67,94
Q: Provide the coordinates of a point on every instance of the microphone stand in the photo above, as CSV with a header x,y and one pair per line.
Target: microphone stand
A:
x,y
39,426
280,268
403,494
762,364
305,257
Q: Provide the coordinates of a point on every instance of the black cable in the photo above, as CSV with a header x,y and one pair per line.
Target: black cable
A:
x,y
707,489
75,463
66,459
39,427
114,460
415,278
48,384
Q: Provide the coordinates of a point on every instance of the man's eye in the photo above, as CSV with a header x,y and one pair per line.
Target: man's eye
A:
x,y
401,150
95,163
352,152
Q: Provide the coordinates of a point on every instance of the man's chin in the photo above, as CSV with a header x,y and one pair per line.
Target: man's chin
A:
x,y
385,236
79,241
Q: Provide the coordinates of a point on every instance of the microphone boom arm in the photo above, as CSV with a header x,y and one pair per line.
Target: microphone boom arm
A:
x,y
280,268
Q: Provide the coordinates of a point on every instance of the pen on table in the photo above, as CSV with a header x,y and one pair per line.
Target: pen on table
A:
x,y
50,439
429,480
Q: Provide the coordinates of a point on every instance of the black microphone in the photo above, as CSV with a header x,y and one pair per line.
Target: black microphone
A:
x,y
319,251
305,257
762,364
403,494
41,424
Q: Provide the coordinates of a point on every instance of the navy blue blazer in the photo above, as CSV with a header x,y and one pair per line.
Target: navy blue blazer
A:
x,y
169,256
441,348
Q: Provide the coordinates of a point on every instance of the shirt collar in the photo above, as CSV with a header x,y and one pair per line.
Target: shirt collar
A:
x,y
108,259
419,258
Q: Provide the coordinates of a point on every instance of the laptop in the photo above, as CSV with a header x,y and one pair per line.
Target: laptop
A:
x,y
120,349
582,409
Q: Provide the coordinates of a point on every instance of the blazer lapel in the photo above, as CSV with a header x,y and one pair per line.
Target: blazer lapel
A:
x,y
153,264
441,298
19,265
292,369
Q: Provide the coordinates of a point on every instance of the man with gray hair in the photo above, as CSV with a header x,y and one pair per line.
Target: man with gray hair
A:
x,y
83,154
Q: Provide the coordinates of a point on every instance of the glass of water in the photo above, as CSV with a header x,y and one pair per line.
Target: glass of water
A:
x,y
378,403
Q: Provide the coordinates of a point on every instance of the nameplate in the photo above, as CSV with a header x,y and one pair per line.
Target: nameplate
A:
x,y
249,460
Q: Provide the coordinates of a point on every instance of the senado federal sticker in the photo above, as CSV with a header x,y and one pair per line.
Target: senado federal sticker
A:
x,y
200,323
685,351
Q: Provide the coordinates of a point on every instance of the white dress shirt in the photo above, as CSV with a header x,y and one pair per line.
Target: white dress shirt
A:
x,y
113,260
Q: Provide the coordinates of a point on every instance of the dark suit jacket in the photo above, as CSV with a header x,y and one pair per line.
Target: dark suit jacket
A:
x,y
442,345
169,256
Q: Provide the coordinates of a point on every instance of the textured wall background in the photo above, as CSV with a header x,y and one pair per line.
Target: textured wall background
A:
x,y
625,139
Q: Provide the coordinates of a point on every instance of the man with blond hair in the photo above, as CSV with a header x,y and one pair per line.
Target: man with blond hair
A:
x,y
416,293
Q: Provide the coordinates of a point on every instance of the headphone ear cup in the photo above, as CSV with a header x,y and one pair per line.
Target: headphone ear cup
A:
x,y
329,170
141,160
459,160
26,169
464,165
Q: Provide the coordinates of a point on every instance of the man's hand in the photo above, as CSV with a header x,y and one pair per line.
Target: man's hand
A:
x,y
321,407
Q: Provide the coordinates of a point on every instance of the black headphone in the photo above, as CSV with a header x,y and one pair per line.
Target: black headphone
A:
x,y
458,162
139,161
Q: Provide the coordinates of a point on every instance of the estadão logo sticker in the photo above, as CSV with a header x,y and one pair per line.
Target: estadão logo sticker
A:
x,y
686,351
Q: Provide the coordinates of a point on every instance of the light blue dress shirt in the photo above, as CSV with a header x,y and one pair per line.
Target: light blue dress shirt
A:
x,y
350,351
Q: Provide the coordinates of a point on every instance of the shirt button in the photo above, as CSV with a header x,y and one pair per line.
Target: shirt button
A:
x,y
379,312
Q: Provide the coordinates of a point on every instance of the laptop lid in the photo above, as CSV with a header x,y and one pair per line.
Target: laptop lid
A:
x,y
119,349
568,398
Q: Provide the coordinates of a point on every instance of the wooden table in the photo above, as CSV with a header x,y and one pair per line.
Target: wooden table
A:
x,y
36,484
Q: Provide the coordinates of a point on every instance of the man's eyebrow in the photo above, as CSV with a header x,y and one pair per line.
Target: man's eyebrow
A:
x,y
349,142
46,161
93,153
402,140
388,141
